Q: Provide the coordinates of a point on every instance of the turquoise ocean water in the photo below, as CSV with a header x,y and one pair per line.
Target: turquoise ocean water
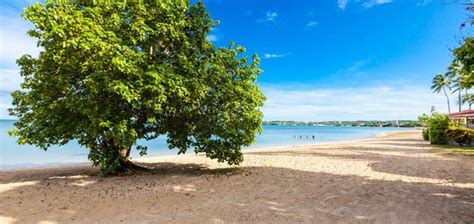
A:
x,y
13,155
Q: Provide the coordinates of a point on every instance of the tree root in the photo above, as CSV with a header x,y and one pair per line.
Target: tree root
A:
x,y
128,166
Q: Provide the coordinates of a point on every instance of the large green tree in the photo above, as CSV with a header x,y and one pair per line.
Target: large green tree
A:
x,y
110,74
463,63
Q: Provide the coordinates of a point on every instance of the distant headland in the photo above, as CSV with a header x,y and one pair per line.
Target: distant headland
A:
x,y
361,123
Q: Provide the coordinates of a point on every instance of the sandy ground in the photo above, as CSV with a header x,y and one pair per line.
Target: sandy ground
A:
x,y
396,178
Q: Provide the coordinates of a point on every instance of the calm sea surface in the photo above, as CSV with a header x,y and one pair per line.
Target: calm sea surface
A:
x,y
13,155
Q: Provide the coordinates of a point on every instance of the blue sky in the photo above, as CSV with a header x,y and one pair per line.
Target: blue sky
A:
x,y
322,60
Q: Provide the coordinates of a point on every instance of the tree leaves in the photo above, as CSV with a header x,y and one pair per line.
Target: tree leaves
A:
x,y
111,74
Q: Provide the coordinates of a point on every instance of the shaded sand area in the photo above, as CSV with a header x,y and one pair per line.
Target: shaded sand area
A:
x,y
396,178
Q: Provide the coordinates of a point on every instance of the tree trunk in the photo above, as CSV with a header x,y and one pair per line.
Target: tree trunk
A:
x,y
447,99
125,153
467,97
126,164
459,100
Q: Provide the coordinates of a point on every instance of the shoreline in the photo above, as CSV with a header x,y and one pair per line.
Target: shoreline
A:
x,y
55,165
189,157
376,136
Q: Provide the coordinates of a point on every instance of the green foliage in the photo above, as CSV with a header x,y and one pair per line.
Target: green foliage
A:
x,y
426,134
462,136
464,55
461,69
437,125
112,73
464,62
468,99
442,82
424,120
456,123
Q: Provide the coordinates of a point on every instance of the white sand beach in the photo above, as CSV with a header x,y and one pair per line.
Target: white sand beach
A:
x,y
395,178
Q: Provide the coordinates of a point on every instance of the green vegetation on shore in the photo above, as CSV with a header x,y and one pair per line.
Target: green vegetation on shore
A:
x,y
442,131
401,123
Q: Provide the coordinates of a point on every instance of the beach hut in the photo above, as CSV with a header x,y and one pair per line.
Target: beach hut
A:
x,y
465,117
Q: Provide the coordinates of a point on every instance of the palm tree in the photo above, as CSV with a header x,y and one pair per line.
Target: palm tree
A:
x,y
455,73
468,98
458,88
441,82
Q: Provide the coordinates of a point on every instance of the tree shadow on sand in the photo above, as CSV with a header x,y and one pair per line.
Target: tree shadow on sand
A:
x,y
408,158
192,193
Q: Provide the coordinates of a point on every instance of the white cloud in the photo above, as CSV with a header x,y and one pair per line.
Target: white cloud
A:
x,y
270,55
342,4
424,2
305,102
355,69
9,81
312,24
211,37
4,111
14,42
269,17
372,3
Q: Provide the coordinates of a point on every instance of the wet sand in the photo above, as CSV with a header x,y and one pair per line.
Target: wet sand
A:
x,y
395,178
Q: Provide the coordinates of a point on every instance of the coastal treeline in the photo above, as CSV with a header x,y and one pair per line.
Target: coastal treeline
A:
x,y
399,123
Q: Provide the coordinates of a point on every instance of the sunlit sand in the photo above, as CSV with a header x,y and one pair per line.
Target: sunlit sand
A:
x,y
395,178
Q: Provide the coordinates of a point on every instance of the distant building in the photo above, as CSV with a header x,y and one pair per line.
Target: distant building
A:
x,y
465,117
395,124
